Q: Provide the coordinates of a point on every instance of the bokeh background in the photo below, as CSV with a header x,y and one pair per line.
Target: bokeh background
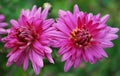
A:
x,y
107,67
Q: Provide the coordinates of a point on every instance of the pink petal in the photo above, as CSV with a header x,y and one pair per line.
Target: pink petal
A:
x,y
2,31
25,63
2,17
76,9
94,51
98,34
111,36
38,24
77,62
47,49
49,29
49,57
101,51
89,56
85,58
98,15
79,23
54,42
62,13
38,13
106,44
9,63
36,68
90,16
62,27
27,14
114,30
34,9
65,19
14,57
63,50
68,23
47,23
73,51
104,18
38,48
68,65
101,26
45,12
72,19
37,59
58,34
12,51
22,21
66,56
3,24
20,60
79,53
22,12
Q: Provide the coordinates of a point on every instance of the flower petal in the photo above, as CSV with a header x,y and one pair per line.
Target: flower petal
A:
x,y
104,18
66,56
44,13
68,65
49,57
25,64
76,9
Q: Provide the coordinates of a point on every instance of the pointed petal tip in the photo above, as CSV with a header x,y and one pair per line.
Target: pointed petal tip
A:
x,y
52,61
105,18
34,7
2,17
117,29
76,8
98,15
37,73
12,20
65,56
68,64
65,70
24,69
8,64
106,56
61,13
114,30
59,53
45,13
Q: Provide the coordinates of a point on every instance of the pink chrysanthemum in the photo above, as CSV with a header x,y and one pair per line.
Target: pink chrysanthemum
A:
x,y
2,25
29,39
82,37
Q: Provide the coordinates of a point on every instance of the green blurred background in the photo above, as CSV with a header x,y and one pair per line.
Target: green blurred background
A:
x,y
107,67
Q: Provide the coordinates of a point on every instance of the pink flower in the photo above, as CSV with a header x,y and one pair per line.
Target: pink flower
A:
x,y
2,25
82,37
29,39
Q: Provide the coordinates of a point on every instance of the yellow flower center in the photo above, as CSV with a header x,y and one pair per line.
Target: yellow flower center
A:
x,y
81,37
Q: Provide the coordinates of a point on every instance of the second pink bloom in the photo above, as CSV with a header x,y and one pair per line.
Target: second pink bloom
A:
x,y
82,37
